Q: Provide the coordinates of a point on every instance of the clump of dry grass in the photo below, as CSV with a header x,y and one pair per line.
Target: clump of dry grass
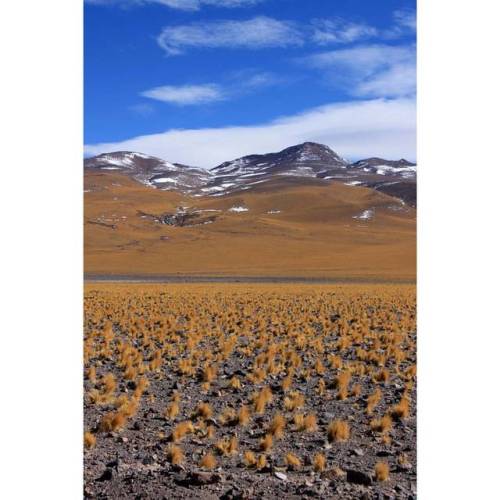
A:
x,y
294,401
208,461
235,383
227,446
112,421
286,383
243,416
181,430
382,425
372,400
175,455
204,411
209,373
321,388
292,461
210,432
338,430
249,458
91,375
266,443
89,439
381,471
261,462
171,411
109,383
277,426
382,376
401,410
306,423
319,462
261,399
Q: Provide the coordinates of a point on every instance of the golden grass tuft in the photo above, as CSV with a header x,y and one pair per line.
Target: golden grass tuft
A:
x,y
401,410
319,462
175,455
372,400
310,423
112,421
261,462
261,399
277,426
382,425
338,430
208,461
381,471
181,430
249,458
171,411
227,446
292,461
89,440
204,410
243,416
266,443
235,383
294,401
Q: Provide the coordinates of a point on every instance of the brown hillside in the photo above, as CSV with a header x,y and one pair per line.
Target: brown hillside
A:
x,y
313,235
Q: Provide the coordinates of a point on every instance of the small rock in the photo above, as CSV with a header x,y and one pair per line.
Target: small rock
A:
x,y
358,452
107,475
383,453
281,475
358,477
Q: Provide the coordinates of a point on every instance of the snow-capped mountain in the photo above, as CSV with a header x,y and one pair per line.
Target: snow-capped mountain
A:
x,y
307,161
151,170
303,160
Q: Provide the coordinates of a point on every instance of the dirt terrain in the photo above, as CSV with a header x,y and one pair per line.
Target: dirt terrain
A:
x,y
250,391
285,227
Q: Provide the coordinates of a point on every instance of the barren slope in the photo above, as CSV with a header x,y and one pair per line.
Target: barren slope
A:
x,y
280,228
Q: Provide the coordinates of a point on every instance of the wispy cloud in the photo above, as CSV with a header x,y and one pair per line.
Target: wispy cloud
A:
x,y
406,19
186,94
187,5
369,70
258,32
356,129
405,23
238,84
142,109
327,31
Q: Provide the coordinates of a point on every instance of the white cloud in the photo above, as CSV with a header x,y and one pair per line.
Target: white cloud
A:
x,y
240,83
326,31
256,33
406,19
355,129
180,4
186,94
370,70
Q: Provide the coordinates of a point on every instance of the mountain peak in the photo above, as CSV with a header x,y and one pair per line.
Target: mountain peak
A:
x,y
311,151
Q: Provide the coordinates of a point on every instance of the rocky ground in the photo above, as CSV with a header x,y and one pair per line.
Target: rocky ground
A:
x,y
132,462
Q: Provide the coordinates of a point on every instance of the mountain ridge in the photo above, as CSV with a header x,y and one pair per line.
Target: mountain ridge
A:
x,y
305,161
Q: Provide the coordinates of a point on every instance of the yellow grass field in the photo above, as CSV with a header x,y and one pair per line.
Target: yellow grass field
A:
x,y
259,388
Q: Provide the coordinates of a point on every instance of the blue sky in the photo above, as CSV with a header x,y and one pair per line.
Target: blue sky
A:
x,y
203,81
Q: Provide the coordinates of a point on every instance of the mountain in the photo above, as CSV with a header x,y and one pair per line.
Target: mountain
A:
x,y
151,171
304,227
308,163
